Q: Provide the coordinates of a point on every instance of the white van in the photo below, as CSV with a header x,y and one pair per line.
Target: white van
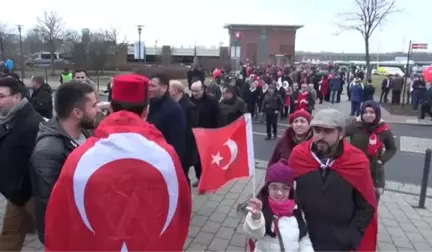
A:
x,y
43,59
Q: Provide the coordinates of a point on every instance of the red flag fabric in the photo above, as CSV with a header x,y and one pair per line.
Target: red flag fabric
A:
x,y
122,190
226,153
353,166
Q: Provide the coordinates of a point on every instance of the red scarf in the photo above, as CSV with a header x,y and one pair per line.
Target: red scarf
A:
x,y
301,100
375,144
280,209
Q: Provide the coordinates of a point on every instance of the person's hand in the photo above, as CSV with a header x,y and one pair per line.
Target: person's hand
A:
x,y
295,101
255,208
306,102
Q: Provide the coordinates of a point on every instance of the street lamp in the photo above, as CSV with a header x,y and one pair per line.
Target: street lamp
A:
x,y
237,37
139,41
22,53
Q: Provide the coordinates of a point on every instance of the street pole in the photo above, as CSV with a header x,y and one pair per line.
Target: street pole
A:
x,y
235,58
22,53
139,42
425,179
407,72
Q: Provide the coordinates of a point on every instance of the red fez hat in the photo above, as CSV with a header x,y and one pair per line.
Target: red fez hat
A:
x,y
130,88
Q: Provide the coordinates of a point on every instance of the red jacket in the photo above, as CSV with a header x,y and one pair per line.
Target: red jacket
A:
x,y
324,86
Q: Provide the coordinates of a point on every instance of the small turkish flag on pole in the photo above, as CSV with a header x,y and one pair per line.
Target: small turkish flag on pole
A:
x,y
226,153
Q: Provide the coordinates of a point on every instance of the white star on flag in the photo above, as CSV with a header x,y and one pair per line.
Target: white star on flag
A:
x,y
216,159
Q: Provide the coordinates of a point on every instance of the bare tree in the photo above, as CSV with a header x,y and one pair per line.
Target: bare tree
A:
x,y
33,42
369,14
99,51
113,37
8,39
50,28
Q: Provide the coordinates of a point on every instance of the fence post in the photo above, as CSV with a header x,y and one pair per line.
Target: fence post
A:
x,y
425,178
46,75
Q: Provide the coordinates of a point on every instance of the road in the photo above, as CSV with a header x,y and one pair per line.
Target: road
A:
x,y
405,167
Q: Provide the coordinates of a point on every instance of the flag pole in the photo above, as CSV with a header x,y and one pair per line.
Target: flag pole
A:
x,y
250,150
253,185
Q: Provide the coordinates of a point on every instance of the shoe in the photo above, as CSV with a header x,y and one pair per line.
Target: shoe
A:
x,y
267,138
275,137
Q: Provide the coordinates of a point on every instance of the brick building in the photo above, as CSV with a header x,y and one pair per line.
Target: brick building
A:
x,y
263,44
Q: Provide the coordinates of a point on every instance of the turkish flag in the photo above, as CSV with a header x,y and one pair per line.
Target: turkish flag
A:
x,y
226,153
122,190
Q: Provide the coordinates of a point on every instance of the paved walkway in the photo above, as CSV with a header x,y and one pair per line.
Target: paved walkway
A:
x,y
215,225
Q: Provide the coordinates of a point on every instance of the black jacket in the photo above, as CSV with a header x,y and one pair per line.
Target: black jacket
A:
x,y
41,99
208,111
52,148
231,110
251,98
427,98
168,117
272,103
190,156
17,140
195,75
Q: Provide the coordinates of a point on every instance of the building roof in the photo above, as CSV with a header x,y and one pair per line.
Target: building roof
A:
x,y
234,26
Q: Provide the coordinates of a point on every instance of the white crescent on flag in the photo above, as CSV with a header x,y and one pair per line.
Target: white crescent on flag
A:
x,y
232,146
125,146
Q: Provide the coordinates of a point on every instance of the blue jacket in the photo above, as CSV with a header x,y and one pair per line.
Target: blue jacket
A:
x,y
335,84
9,64
356,93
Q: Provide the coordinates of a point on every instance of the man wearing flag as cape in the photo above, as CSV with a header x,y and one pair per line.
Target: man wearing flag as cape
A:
x,y
334,188
124,188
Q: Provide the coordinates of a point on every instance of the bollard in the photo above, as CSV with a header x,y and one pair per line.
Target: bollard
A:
x,y
46,75
425,178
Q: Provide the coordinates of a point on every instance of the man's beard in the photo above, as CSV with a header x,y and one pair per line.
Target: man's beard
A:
x,y
327,152
87,124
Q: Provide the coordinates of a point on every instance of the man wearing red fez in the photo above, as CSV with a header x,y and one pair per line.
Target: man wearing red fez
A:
x,y
124,188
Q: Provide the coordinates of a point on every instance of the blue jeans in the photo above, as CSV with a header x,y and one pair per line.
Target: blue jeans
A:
x,y
355,108
333,96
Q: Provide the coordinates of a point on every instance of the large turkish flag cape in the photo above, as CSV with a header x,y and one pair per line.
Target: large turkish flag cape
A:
x,y
226,153
122,190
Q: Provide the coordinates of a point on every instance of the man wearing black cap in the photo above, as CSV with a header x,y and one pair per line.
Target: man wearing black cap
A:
x,y
19,124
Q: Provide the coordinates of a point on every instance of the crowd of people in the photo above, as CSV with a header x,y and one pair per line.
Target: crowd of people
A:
x,y
338,183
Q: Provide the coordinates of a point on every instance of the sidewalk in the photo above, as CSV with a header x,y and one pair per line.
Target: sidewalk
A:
x,y
215,225
345,107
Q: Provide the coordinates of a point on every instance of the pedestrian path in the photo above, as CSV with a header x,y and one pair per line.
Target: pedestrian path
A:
x,y
216,226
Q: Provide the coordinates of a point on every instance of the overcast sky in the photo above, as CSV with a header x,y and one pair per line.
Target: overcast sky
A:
x,y
184,22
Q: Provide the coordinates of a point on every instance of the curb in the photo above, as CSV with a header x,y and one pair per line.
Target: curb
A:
x,y
392,186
